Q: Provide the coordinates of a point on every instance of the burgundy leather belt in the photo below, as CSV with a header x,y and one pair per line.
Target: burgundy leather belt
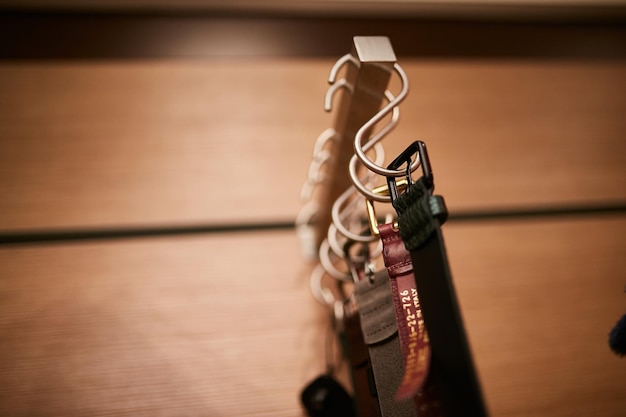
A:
x,y
414,341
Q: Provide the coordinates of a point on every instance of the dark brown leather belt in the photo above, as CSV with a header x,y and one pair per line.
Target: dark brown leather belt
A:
x,y
380,333
365,395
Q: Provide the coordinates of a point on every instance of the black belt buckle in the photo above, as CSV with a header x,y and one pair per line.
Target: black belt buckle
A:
x,y
436,202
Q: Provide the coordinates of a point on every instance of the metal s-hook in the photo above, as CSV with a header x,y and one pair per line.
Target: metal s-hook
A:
x,y
366,192
330,93
324,257
374,142
337,221
342,83
359,148
320,157
321,294
326,136
315,175
305,229
347,58
365,71
337,209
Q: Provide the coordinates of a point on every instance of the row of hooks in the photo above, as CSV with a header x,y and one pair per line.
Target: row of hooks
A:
x,y
350,248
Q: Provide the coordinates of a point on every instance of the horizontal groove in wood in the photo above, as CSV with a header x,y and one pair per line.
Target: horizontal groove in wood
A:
x,y
136,327
68,235
113,144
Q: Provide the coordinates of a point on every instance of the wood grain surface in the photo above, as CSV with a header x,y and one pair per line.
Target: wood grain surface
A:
x,y
144,142
224,325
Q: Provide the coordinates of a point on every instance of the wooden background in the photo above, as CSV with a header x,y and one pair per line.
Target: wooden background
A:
x,y
147,262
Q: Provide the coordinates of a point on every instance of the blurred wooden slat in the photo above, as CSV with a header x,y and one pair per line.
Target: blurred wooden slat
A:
x,y
99,143
156,142
520,133
218,326
225,325
539,299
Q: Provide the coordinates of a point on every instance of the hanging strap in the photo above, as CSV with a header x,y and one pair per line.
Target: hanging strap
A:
x,y
380,333
411,329
412,333
366,398
420,215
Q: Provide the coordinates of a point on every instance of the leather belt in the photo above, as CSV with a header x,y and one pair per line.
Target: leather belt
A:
x,y
411,329
366,398
420,215
414,341
380,334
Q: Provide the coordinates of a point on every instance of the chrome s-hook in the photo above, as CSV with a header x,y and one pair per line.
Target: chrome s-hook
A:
x,y
315,175
342,83
327,264
347,58
339,249
326,136
337,217
373,143
321,294
371,195
320,157
305,229
330,93
359,148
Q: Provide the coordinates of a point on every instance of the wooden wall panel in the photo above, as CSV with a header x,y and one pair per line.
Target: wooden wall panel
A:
x,y
155,142
539,299
207,326
114,143
520,133
222,325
